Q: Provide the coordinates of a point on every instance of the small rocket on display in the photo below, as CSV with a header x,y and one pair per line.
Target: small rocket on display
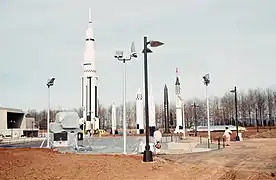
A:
x,y
139,112
113,118
179,123
166,109
89,81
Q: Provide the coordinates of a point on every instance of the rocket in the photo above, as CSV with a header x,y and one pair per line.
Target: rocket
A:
x,y
179,123
113,118
89,81
152,120
166,109
139,112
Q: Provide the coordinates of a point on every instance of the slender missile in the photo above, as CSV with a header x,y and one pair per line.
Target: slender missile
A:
x,y
89,81
152,120
113,118
139,112
179,122
166,109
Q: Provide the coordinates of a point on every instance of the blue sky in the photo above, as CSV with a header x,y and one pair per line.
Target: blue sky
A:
x,y
233,40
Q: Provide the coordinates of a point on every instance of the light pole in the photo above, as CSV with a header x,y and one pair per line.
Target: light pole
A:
x,y
147,157
206,79
236,109
50,83
119,56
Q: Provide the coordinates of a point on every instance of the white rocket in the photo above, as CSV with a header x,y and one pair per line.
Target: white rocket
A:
x,y
139,112
179,122
152,121
89,94
113,118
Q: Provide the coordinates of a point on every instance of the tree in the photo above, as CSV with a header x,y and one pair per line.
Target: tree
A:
x,y
243,108
159,116
102,116
260,101
227,103
269,105
250,104
131,115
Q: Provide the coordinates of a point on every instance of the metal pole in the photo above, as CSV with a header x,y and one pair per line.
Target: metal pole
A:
x,y
208,117
48,119
124,113
236,107
147,153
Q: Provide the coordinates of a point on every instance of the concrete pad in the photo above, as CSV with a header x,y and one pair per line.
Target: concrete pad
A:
x,y
184,146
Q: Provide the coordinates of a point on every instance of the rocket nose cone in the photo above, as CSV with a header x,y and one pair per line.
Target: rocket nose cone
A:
x,y
177,81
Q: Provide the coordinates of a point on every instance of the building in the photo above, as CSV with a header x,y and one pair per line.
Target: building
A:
x,y
15,124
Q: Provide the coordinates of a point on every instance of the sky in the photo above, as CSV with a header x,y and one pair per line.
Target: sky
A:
x,y
233,40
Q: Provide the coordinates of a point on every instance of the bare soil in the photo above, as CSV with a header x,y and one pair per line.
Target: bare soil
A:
x,y
251,159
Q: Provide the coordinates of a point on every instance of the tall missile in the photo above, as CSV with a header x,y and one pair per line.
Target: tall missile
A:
x,y
139,112
179,123
166,109
113,118
152,120
89,81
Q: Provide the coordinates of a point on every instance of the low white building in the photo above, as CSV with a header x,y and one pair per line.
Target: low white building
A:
x,y
15,124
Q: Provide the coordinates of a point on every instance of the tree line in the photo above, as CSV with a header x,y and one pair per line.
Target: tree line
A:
x,y
255,107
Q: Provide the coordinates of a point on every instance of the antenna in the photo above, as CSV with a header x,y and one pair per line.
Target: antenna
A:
x,y
90,18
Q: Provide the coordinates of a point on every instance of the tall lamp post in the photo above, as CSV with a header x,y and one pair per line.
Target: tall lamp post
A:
x,y
119,56
50,83
236,109
147,157
206,80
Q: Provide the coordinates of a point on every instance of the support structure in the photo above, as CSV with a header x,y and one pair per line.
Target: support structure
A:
x,y
119,56
147,153
50,83
236,113
206,79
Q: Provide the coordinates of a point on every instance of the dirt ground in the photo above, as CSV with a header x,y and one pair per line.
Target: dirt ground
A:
x,y
251,159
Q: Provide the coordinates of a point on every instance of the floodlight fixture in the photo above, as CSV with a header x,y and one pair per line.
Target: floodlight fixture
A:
x,y
119,54
206,79
50,82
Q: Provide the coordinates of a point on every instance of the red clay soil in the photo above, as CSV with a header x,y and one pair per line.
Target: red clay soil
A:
x,y
46,164
28,164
